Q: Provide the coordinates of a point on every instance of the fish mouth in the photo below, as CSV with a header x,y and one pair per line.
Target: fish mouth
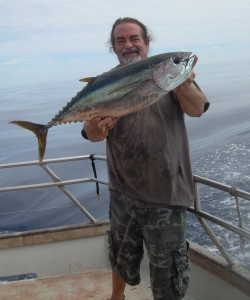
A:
x,y
191,60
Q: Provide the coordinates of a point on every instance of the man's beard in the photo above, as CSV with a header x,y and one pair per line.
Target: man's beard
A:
x,y
126,59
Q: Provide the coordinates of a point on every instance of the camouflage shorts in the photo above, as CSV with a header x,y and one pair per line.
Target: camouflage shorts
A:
x,y
163,232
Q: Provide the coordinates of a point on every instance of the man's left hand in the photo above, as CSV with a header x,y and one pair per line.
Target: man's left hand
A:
x,y
186,84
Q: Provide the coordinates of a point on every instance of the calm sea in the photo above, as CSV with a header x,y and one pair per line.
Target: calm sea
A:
x,y
219,144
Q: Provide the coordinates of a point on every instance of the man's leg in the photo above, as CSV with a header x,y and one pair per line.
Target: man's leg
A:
x,y
125,245
118,285
165,240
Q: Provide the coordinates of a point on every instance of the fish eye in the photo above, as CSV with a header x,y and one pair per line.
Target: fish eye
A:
x,y
177,60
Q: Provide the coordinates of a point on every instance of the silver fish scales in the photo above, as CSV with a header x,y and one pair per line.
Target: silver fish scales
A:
x,y
119,92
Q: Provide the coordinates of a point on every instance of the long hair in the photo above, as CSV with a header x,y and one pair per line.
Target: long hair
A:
x,y
145,32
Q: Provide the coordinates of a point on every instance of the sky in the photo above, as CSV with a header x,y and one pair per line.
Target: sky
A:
x,y
51,40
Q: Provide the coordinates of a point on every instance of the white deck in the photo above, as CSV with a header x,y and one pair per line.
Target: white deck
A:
x,y
96,285
90,285
72,263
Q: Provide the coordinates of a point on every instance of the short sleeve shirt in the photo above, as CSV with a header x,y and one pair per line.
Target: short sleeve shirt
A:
x,y
148,156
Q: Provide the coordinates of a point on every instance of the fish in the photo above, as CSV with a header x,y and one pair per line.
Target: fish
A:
x,y
120,91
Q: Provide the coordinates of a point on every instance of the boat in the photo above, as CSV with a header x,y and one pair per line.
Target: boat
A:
x,y
71,261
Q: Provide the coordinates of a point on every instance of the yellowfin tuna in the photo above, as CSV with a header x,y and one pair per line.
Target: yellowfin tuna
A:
x,y
119,92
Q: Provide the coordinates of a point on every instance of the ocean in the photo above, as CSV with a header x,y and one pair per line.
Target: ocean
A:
x,y
219,148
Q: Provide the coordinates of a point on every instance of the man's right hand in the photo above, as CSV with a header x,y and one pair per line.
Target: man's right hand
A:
x,y
97,128
108,122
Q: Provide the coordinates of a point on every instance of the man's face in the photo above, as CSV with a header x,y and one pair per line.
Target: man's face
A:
x,y
129,43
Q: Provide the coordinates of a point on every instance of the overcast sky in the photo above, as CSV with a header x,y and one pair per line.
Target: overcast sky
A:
x,y
52,40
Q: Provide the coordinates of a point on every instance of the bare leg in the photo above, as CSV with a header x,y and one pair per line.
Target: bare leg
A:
x,y
118,287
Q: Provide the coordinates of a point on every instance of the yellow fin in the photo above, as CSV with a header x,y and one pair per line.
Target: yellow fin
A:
x,y
104,130
88,79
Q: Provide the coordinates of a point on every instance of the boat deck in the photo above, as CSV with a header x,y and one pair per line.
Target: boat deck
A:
x,y
71,261
89,285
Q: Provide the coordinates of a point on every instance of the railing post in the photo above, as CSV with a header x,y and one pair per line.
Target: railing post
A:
x,y
208,229
68,193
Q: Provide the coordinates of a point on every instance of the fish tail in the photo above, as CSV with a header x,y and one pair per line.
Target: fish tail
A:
x,y
39,130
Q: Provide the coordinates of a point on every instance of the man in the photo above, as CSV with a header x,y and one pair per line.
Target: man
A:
x,y
150,178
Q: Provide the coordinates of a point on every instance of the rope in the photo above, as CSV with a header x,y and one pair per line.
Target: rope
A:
x,y
95,174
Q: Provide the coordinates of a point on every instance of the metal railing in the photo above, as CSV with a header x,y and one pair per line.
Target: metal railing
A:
x,y
57,182
204,216
201,215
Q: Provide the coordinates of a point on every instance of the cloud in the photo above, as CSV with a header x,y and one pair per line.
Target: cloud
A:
x,y
72,34
10,63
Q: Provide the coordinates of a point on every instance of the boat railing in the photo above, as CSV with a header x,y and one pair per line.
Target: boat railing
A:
x,y
56,181
201,215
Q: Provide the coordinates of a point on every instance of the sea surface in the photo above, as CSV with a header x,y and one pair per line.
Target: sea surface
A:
x,y
219,148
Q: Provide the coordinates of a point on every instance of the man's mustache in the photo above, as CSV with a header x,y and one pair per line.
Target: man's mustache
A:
x,y
126,51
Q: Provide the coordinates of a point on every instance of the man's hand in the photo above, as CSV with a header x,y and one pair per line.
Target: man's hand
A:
x,y
97,128
108,123
191,99
186,84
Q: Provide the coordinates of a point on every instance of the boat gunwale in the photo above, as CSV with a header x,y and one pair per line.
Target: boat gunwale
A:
x,y
54,234
234,275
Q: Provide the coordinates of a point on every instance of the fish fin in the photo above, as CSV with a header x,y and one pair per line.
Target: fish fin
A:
x,y
88,79
104,130
39,130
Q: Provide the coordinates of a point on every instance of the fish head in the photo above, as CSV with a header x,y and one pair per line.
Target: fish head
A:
x,y
173,70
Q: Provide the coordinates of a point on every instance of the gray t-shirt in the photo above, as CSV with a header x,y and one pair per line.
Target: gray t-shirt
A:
x,y
148,156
